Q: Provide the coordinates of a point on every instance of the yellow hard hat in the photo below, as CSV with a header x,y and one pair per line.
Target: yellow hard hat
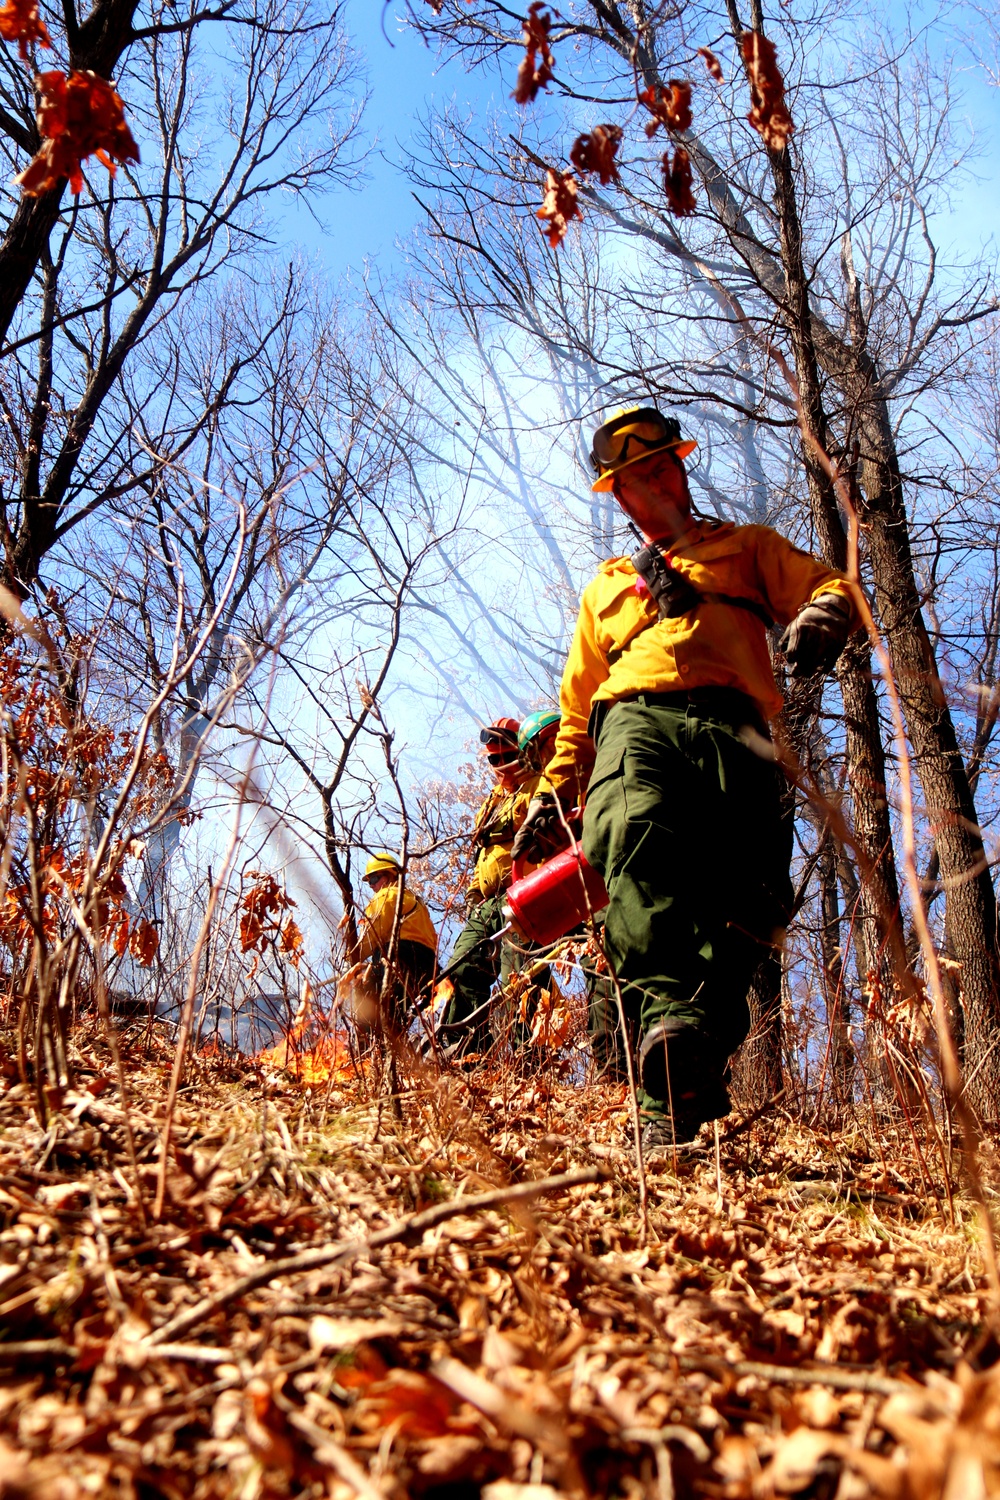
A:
x,y
631,435
382,864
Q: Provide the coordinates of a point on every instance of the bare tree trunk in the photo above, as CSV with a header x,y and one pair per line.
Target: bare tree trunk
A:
x,y
865,755
838,1005
971,908
756,1068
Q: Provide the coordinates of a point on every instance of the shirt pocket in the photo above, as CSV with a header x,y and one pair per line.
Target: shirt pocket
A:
x,y
724,567
622,619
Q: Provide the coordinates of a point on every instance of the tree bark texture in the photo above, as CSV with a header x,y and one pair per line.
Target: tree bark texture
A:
x,y
879,889
756,1067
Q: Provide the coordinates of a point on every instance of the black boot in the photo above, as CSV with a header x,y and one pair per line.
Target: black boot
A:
x,y
678,1068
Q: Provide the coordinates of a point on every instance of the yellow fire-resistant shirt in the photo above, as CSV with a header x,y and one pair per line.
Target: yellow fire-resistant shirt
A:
x,y
497,821
621,648
379,916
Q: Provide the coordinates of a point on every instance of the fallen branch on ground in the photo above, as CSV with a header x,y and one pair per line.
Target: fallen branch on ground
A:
x,y
410,1228
867,1381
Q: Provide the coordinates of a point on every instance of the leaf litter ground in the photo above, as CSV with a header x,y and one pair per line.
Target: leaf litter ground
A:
x,y
804,1318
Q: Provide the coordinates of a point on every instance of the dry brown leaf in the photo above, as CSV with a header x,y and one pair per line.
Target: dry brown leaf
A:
x,y
21,23
595,152
769,115
712,63
559,206
79,115
670,106
537,64
800,1458
346,1333
677,183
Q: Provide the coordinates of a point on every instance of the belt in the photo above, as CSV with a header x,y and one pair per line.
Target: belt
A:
x,y
727,704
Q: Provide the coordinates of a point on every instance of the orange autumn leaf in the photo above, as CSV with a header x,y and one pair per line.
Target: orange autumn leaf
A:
x,y
670,106
677,183
291,941
559,206
79,115
595,152
21,23
143,943
537,64
769,115
712,63
116,933
409,1402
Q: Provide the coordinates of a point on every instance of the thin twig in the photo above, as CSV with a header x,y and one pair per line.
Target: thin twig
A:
x,y
836,1378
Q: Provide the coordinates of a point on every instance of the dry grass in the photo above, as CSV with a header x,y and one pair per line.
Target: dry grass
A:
x,y
517,1354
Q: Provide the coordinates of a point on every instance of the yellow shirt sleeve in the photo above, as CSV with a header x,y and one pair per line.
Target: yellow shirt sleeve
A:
x,y
568,772
493,867
792,578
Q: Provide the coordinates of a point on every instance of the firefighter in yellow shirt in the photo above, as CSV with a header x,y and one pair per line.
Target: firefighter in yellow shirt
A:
x,y
477,957
665,699
411,965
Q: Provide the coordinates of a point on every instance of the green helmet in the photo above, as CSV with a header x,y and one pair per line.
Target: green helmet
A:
x,y
534,724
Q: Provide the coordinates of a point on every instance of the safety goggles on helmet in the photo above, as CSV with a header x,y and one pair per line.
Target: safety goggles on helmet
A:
x,y
632,435
500,740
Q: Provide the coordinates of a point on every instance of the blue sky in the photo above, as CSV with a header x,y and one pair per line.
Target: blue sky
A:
x,y
405,79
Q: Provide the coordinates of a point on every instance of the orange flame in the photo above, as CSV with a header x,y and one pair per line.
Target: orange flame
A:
x,y
443,992
311,1058
329,1057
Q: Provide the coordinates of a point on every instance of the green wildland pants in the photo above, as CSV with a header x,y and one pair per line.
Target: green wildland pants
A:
x,y
409,976
683,818
475,963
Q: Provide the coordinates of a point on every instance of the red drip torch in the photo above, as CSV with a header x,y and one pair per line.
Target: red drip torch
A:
x,y
555,898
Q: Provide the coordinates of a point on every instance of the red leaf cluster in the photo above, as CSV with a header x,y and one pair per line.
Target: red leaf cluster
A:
x,y
537,64
596,151
559,206
712,63
261,922
670,106
79,115
677,183
21,23
769,116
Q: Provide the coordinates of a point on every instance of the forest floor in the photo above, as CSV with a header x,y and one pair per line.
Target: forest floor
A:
x,y
323,1309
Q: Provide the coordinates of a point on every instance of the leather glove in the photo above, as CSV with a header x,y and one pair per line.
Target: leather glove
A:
x,y
542,833
816,636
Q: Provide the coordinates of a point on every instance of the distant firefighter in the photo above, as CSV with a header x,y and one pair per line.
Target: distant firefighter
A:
x,y
410,966
476,960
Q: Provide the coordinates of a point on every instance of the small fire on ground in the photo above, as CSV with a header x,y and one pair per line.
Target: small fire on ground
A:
x,y
311,1053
